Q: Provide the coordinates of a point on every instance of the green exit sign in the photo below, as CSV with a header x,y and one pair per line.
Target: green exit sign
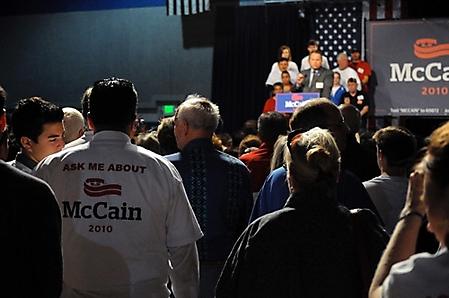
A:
x,y
169,109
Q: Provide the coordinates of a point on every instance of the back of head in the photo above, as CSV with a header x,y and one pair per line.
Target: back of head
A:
x,y
248,142
112,104
73,124
313,161
31,114
397,144
199,113
352,117
85,102
148,140
278,157
271,125
166,136
313,112
250,126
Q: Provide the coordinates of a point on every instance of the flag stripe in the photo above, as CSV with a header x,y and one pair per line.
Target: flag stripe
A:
x,y
186,7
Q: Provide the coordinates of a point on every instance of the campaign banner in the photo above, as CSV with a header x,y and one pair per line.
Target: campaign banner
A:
x,y
410,59
288,102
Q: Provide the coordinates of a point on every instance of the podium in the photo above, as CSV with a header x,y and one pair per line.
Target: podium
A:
x,y
288,102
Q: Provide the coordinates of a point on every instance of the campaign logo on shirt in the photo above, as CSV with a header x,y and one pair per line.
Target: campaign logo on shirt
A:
x,y
360,99
95,187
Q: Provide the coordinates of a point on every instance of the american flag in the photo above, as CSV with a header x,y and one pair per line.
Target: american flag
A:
x,y
337,27
187,7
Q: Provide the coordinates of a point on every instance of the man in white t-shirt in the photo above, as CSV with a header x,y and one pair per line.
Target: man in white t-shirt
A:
x,y
127,222
396,151
346,72
312,46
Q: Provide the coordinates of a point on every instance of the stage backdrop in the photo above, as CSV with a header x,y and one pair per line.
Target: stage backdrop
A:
x,y
411,62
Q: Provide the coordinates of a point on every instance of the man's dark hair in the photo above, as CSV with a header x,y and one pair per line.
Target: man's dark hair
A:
x,y
278,84
31,114
352,80
312,42
313,113
112,104
397,144
316,52
166,136
85,102
271,125
282,59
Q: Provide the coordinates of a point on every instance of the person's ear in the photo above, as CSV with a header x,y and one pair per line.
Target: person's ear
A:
x,y
26,143
90,123
185,127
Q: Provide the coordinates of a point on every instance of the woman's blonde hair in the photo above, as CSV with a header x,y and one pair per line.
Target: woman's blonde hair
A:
x,y
313,161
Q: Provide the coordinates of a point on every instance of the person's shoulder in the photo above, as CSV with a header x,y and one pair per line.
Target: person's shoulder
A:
x,y
26,181
326,71
233,161
247,156
173,157
292,65
277,175
373,181
351,70
349,177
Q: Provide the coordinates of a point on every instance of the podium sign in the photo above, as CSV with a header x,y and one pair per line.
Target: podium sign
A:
x,y
288,102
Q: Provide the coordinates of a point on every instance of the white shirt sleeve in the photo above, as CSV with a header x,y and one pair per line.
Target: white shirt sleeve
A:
x,y
305,63
184,271
325,63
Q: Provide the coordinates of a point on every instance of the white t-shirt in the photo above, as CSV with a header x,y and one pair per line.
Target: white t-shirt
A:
x,y
422,275
275,75
347,73
122,206
389,195
292,67
305,63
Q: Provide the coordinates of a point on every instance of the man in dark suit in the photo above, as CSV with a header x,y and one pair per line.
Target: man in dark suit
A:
x,y
317,78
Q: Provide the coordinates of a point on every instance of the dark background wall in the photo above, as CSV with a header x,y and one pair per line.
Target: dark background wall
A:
x,y
56,49
55,53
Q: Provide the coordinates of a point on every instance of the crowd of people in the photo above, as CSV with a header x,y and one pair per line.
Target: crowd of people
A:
x,y
94,205
348,83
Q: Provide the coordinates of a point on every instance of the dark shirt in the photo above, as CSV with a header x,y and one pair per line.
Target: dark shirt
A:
x,y
306,249
219,189
30,236
359,100
359,159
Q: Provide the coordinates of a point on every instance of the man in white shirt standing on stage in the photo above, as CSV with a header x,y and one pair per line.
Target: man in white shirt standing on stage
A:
x,y
346,72
127,222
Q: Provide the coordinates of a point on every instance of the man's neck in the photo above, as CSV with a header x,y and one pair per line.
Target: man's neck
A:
x,y
25,158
